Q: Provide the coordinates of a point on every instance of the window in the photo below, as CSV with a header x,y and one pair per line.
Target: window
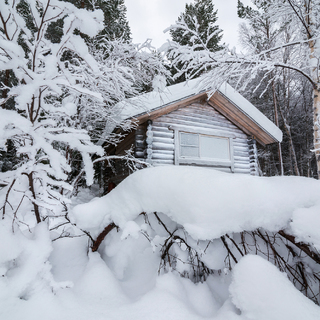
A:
x,y
203,149
204,146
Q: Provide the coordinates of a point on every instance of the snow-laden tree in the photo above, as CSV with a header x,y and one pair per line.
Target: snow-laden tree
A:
x,y
303,19
115,21
284,100
62,93
47,88
201,17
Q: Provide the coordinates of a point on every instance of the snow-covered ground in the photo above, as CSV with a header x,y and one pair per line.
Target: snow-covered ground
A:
x,y
41,279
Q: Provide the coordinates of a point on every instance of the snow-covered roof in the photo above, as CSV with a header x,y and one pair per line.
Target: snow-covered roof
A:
x,y
150,102
251,111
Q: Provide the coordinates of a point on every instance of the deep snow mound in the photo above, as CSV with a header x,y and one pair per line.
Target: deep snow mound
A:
x,y
208,203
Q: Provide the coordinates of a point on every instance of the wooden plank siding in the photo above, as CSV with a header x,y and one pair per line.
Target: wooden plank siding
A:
x,y
201,117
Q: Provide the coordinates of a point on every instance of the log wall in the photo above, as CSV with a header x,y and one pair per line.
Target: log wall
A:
x,y
160,136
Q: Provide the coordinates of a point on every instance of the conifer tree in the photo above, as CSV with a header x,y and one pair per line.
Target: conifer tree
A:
x,y
200,17
115,21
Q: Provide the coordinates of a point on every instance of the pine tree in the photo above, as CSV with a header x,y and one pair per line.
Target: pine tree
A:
x,y
200,17
116,25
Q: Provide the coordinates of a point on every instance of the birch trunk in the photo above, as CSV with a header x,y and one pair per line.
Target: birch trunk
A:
x,y
316,104
313,44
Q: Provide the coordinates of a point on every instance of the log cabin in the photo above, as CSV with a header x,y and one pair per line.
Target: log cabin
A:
x,y
183,125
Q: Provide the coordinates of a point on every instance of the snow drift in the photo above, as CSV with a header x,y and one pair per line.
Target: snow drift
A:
x,y
60,280
208,203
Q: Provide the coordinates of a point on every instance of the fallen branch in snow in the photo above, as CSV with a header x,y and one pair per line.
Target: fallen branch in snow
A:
x,y
235,244
6,199
302,246
101,236
223,239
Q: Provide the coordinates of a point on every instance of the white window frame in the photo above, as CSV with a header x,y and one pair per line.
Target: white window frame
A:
x,y
178,159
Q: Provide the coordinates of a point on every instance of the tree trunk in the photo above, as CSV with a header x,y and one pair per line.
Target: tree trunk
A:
x,y
35,206
316,86
316,128
292,151
291,145
276,120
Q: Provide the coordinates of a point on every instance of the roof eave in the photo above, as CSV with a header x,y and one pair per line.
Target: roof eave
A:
x,y
240,118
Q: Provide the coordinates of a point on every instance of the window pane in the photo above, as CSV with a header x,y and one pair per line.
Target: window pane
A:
x,y
186,151
214,148
189,139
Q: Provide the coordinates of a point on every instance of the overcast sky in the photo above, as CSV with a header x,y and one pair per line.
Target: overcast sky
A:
x,y
148,19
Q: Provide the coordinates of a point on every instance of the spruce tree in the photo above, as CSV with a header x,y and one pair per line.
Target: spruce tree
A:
x,y
200,12
115,20
199,16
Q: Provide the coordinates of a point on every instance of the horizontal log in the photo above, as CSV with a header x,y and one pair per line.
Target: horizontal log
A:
x,y
204,115
240,143
160,146
241,157
240,154
241,148
193,124
201,116
162,156
159,162
140,144
160,127
241,166
140,137
238,170
161,134
241,162
163,151
139,154
194,117
203,111
163,140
